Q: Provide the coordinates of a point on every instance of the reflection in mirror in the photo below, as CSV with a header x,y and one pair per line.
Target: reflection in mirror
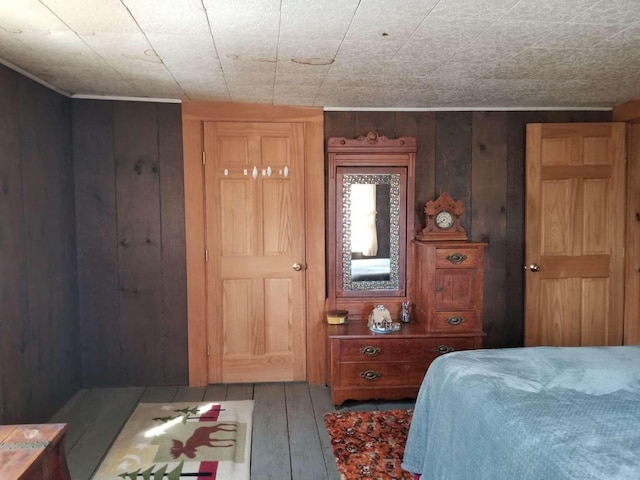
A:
x,y
371,223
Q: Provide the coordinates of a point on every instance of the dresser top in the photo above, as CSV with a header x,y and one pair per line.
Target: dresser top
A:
x,y
359,329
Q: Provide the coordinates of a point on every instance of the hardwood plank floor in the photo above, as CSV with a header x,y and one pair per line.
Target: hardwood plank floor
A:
x,y
289,438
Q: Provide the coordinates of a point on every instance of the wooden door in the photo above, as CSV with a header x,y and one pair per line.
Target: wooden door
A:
x,y
575,213
254,201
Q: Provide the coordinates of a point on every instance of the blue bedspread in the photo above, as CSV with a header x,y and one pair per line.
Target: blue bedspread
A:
x,y
544,413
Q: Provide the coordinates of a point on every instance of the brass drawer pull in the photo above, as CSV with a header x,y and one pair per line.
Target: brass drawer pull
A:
x,y
456,258
370,351
454,320
370,375
441,349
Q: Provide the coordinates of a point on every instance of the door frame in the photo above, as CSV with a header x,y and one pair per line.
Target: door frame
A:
x,y
193,115
629,112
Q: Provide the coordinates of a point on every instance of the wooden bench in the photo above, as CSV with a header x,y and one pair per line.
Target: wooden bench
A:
x,y
33,452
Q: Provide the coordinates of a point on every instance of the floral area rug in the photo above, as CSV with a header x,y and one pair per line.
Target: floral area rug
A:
x,y
180,441
369,444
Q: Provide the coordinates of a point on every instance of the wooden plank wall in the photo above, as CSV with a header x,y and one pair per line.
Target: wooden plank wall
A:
x,y
478,157
123,298
131,243
39,360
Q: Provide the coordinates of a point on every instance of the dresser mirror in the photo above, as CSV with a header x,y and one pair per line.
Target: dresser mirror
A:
x,y
370,222
370,203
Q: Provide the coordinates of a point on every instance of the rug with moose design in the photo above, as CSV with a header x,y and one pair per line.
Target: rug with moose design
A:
x,y
180,441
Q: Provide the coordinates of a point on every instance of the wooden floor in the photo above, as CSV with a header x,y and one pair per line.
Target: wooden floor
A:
x,y
289,437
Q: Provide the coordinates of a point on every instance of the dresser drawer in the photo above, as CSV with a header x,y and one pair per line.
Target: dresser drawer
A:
x,y
455,322
394,349
381,374
456,257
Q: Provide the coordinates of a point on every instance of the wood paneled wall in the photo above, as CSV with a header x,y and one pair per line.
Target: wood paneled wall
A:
x,y
39,359
131,242
479,158
124,301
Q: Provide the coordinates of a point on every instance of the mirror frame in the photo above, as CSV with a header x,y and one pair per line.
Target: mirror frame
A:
x,y
369,154
347,287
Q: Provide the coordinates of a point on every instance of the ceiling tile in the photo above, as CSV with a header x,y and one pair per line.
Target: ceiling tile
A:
x,y
349,53
610,11
244,79
52,48
246,29
478,9
304,65
88,17
254,93
575,35
183,17
447,31
187,56
548,10
310,79
28,16
407,8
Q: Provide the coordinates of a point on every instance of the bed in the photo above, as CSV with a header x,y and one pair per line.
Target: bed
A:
x,y
370,269
543,413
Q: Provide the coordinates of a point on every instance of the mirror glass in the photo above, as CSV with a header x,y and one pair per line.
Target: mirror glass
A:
x,y
370,231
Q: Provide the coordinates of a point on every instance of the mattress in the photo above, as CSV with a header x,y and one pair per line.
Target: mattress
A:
x,y
528,414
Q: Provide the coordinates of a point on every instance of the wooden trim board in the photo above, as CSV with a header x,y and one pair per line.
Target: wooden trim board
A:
x,y
629,112
632,247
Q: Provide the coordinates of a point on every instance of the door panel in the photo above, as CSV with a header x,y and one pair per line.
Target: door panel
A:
x,y
237,208
556,205
455,289
560,309
596,228
254,201
239,317
575,233
277,218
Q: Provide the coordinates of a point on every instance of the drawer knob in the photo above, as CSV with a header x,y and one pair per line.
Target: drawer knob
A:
x,y
370,351
454,320
370,375
456,258
441,349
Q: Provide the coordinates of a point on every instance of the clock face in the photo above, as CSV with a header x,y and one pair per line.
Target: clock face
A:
x,y
444,220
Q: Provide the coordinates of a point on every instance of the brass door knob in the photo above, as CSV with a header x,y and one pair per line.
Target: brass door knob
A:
x,y
534,267
297,267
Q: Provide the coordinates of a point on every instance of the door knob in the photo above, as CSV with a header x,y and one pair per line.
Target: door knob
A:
x,y
297,267
534,267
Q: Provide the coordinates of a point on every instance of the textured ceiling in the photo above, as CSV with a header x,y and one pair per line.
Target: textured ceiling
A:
x,y
332,53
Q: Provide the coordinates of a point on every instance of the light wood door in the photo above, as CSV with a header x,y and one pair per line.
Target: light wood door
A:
x,y
254,201
575,214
